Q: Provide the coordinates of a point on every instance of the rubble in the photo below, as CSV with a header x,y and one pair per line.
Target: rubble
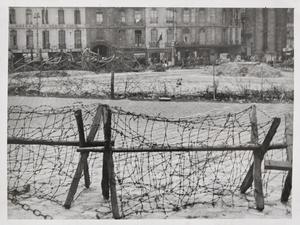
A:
x,y
242,69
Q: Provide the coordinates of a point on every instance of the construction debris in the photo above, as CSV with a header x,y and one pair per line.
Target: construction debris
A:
x,y
85,60
253,69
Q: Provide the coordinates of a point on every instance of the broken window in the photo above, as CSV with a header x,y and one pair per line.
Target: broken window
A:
x,y
137,16
99,17
61,16
77,16
13,39
186,15
44,16
46,43
61,39
77,36
138,38
29,39
122,37
153,16
186,35
202,16
170,35
28,16
202,37
170,15
122,17
153,35
12,16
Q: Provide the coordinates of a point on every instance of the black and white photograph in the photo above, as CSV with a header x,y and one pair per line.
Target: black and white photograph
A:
x,y
138,112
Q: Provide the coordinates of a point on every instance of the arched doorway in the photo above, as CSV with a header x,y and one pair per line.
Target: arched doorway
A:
x,y
103,50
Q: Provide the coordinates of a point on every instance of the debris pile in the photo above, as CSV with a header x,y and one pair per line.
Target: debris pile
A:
x,y
85,60
247,69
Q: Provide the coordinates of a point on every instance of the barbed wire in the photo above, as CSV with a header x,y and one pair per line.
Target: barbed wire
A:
x,y
147,182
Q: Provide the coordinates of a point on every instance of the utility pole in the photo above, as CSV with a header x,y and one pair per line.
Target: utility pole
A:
x,y
36,17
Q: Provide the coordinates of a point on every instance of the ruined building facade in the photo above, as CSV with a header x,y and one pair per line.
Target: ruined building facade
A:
x,y
46,30
265,31
168,34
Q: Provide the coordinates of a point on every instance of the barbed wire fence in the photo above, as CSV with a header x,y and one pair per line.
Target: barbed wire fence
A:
x,y
150,175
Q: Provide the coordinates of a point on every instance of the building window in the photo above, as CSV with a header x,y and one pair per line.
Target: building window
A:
x,y
29,39
28,16
61,39
61,16
224,17
44,16
153,16
170,15
153,35
137,16
186,15
170,35
186,35
13,39
202,37
138,38
46,43
99,17
122,16
77,16
12,16
77,36
122,37
202,16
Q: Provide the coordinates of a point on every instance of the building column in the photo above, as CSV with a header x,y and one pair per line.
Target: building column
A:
x,y
271,31
259,32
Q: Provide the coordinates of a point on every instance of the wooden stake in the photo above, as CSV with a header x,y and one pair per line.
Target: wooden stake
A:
x,y
105,176
82,164
247,182
258,189
110,181
112,85
286,191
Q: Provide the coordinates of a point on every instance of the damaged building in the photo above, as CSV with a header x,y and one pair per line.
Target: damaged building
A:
x,y
171,35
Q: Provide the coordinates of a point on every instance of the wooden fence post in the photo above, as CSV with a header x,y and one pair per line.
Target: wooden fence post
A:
x,y
289,151
247,182
82,165
112,85
108,180
255,168
258,187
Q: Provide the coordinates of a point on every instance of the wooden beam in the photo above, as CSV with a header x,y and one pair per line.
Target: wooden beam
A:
x,y
110,181
29,141
247,182
277,165
258,188
286,191
82,164
182,149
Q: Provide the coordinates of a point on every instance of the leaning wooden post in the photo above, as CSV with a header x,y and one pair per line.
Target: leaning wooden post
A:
x,y
112,85
247,182
258,157
82,165
108,158
286,191
255,168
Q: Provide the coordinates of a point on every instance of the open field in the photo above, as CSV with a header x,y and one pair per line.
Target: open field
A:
x,y
90,201
147,84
